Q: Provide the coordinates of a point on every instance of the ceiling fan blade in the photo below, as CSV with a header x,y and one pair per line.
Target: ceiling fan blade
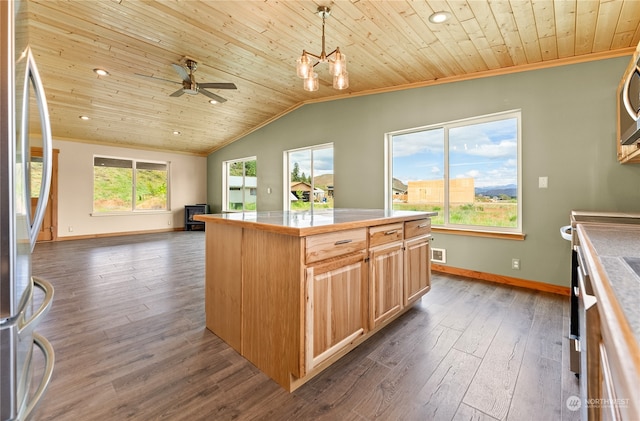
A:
x,y
214,85
182,72
212,96
156,78
179,92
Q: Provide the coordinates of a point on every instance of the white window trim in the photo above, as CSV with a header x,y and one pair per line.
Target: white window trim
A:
x,y
388,172
286,179
133,187
225,183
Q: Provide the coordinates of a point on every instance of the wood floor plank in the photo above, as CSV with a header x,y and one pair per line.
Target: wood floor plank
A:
x,y
447,384
409,376
537,394
492,388
128,328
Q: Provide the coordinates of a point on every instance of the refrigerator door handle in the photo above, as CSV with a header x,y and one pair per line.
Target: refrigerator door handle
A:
x,y
47,143
49,358
44,307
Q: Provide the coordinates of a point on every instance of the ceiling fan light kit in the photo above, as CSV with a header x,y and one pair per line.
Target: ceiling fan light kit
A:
x,y
337,62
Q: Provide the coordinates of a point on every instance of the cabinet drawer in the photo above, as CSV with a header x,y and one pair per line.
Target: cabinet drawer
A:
x,y
417,228
324,246
384,234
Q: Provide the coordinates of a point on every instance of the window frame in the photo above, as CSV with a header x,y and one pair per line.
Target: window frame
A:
x,y
226,184
286,188
134,163
448,226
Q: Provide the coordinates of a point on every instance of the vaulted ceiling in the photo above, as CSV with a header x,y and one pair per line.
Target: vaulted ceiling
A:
x,y
254,45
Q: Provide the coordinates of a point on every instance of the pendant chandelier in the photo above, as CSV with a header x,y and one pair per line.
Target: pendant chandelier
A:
x,y
337,62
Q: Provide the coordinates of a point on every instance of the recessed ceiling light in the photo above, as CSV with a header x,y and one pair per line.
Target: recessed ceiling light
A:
x,y
177,133
439,17
84,117
213,101
101,72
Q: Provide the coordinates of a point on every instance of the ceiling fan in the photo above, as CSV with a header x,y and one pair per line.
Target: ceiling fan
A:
x,y
189,84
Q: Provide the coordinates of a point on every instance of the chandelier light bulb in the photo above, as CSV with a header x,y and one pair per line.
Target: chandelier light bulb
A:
x,y
339,65
311,82
341,81
304,66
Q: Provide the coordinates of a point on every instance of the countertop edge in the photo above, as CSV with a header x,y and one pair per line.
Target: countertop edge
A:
x,y
305,231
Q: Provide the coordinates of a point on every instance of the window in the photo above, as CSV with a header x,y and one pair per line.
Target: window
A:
x,y
240,185
309,178
468,171
126,185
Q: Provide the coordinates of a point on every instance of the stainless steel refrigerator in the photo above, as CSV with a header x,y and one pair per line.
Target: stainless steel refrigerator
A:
x,y
22,102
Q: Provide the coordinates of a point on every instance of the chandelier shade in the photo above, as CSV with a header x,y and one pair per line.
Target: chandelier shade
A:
x,y
337,62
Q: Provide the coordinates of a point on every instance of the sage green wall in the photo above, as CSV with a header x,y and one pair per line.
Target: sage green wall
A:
x,y
568,135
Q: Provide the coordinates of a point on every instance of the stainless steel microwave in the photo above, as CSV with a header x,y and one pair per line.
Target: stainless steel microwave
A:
x,y
629,98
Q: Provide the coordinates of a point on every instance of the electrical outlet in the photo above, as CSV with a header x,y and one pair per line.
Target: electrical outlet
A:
x,y
439,255
70,228
169,221
543,182
515,264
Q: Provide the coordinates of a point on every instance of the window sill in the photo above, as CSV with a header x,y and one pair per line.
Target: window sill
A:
x,y
146,212
473,233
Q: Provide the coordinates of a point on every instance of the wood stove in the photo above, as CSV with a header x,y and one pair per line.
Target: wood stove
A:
x,y
189,212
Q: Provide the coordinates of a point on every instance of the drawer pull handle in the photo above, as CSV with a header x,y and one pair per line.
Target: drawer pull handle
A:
x,y
423,225
337,243
391,232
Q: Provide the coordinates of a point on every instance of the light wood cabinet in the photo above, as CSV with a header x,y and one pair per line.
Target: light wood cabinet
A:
x,y
336,306
417,268
385,280
293,301
386,253
417,259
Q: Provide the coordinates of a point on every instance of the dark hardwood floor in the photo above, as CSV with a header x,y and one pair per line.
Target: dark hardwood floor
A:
x,y
127,326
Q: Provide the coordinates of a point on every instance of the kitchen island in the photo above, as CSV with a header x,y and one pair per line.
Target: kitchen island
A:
x,y
294,291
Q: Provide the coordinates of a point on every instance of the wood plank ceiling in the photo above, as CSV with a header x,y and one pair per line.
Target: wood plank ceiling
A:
x,y
254,44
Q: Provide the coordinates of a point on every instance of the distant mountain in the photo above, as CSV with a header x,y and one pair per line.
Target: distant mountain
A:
x,y
510,190
399,185
323,180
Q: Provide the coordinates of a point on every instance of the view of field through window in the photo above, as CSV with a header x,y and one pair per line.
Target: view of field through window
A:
x,y
479,159
114,189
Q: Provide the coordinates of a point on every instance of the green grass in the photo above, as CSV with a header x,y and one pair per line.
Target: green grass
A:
x,y
112,191
484,214
301,205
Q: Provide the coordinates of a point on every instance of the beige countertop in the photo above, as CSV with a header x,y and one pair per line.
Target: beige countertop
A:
x,y
303,223
615,246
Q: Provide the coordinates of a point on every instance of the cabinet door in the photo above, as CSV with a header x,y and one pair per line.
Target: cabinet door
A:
x,y
417,268
385,282
336,307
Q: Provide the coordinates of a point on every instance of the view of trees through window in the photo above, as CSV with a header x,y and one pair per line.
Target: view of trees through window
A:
x,y
123,185
241,185
310,177
466,171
